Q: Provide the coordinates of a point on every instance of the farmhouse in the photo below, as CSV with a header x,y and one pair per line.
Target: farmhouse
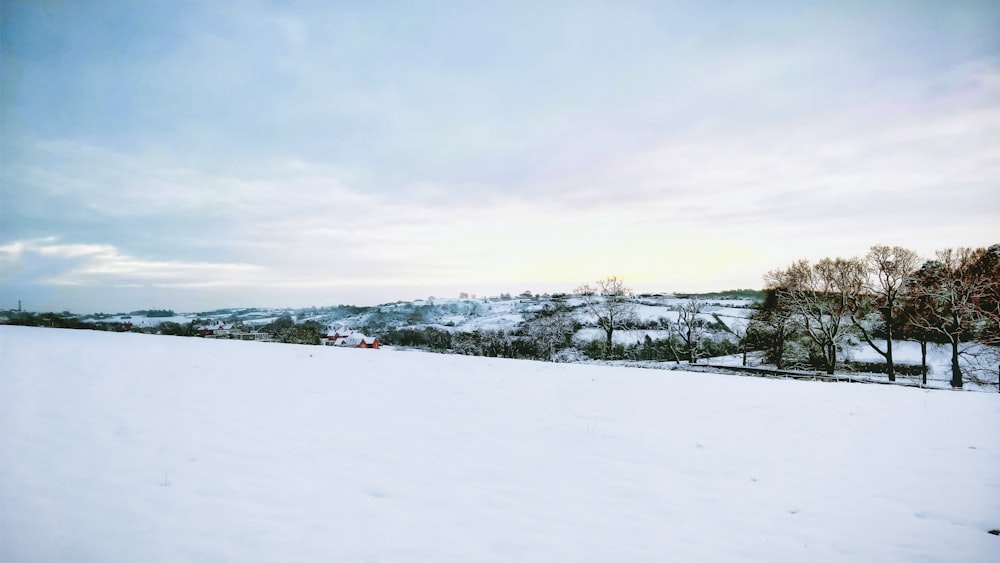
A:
x,y
233,331
358,340
348,338
220,330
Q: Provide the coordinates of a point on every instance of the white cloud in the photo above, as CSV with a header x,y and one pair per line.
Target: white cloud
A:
x,y
357,147
49,262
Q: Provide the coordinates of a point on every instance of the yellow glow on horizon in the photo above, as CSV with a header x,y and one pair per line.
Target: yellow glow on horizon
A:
x,y
566,250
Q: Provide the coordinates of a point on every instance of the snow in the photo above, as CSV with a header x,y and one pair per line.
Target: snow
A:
x,y
908,352
622,336
646,313
141,321
241,451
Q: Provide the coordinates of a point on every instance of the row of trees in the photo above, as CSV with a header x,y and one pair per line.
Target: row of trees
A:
x,y
540,338
612,306
888,294
57,320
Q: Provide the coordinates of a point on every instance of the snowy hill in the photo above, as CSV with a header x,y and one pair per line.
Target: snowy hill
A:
x,y
130,447
453,314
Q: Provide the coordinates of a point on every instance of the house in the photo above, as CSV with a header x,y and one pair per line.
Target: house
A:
x,y
358,340
221,330
348,338
334,335
235,332
252,334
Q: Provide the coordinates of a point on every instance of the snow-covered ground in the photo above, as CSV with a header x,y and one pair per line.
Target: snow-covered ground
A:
x,y
938,355
976,360
130,447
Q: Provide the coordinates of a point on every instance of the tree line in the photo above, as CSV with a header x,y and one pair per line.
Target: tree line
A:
x,y
889,294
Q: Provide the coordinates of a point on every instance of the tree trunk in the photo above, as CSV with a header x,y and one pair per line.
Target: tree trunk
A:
x,y
923,360
831,358
690,346
956,371
889,367
607,347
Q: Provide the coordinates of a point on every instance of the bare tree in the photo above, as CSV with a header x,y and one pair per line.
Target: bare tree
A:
x,y
671,339
982,361
818,297
741,330
910,315
771,327
550,331
985,304
610,302
945,292
886,269
690,328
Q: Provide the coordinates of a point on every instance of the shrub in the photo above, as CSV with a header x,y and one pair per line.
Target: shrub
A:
x,y
912,370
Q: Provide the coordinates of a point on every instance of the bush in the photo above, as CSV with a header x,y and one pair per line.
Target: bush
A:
x,y
722,347
428,337
154,313
595,351
911,370
176,329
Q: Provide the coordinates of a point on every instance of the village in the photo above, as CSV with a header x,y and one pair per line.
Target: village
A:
x,y
335,336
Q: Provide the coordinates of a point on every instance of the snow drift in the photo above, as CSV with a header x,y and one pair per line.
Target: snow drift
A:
x,y
127,447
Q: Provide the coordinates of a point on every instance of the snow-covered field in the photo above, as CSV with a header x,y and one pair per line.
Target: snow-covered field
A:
x,y
129,447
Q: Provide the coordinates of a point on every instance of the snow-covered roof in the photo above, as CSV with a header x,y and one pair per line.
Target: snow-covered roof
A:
x,y
355,339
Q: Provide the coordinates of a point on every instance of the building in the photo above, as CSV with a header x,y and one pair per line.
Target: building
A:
x,y
234,332
348,338
220,330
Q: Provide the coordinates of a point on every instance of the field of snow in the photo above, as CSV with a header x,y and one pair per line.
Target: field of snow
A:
x,y
130,447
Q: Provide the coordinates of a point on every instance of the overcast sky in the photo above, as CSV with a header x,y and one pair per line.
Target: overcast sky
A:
x,y
215,154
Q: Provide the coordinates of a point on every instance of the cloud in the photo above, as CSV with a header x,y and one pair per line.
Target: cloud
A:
x,y
785,174
49,262
353,146
752,197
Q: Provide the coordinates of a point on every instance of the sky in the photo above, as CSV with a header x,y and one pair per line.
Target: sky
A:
x,y
199,155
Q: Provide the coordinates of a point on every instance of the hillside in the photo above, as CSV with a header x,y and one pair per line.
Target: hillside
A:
x,y
557,327
455,314
721,313
131,447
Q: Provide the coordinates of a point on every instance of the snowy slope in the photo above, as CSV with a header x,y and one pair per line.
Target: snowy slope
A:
x,y
128,447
